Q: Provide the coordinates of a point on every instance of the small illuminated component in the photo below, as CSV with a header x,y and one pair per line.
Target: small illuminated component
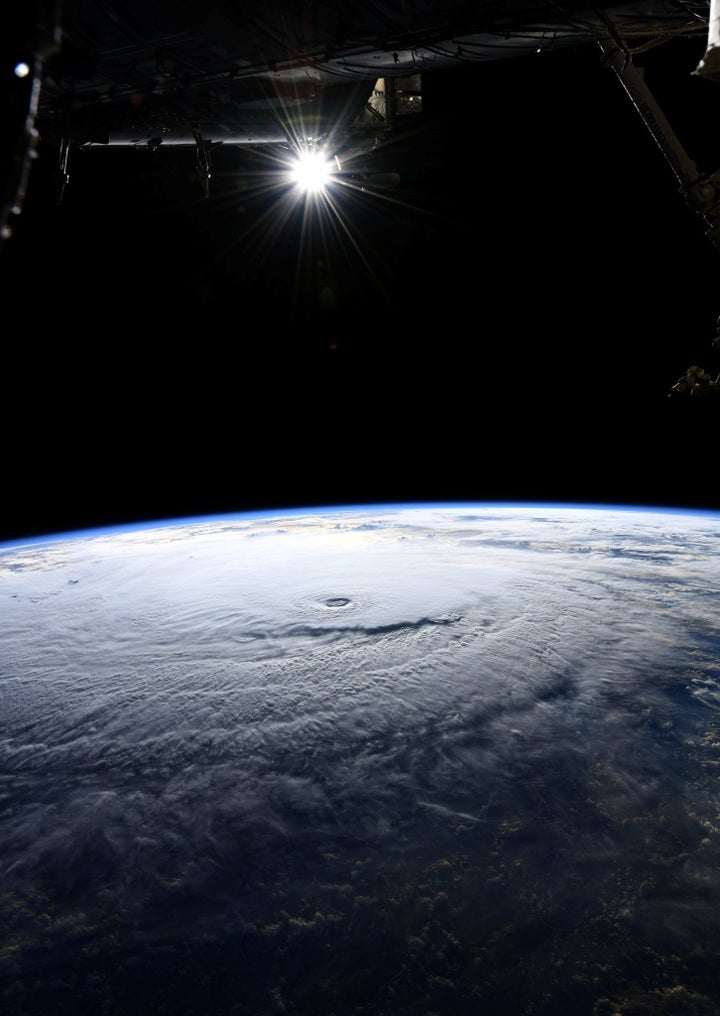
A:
x,y
312,171
21,69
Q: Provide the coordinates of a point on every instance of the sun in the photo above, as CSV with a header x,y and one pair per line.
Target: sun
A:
x,y
312,171
322,221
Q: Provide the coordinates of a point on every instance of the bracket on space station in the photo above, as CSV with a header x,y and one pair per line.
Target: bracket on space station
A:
x,y
701,192
63,168
202,160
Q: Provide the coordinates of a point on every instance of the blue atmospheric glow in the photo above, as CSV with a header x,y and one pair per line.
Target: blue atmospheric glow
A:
x,y
331,509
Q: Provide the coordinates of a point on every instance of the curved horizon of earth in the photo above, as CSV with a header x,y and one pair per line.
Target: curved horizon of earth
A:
x,y
395,759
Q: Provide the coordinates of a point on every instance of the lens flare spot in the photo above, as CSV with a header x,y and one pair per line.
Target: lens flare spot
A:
x,y
312,171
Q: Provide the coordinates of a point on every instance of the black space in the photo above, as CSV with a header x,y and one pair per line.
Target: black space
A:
x,y
534,300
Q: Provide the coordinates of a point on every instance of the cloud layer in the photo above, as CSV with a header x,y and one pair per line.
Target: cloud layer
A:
x,y
368,761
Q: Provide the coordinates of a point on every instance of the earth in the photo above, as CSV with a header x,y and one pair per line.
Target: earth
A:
x,y
393,760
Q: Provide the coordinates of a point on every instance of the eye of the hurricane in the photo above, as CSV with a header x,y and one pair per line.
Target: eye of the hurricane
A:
x,y
312,172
